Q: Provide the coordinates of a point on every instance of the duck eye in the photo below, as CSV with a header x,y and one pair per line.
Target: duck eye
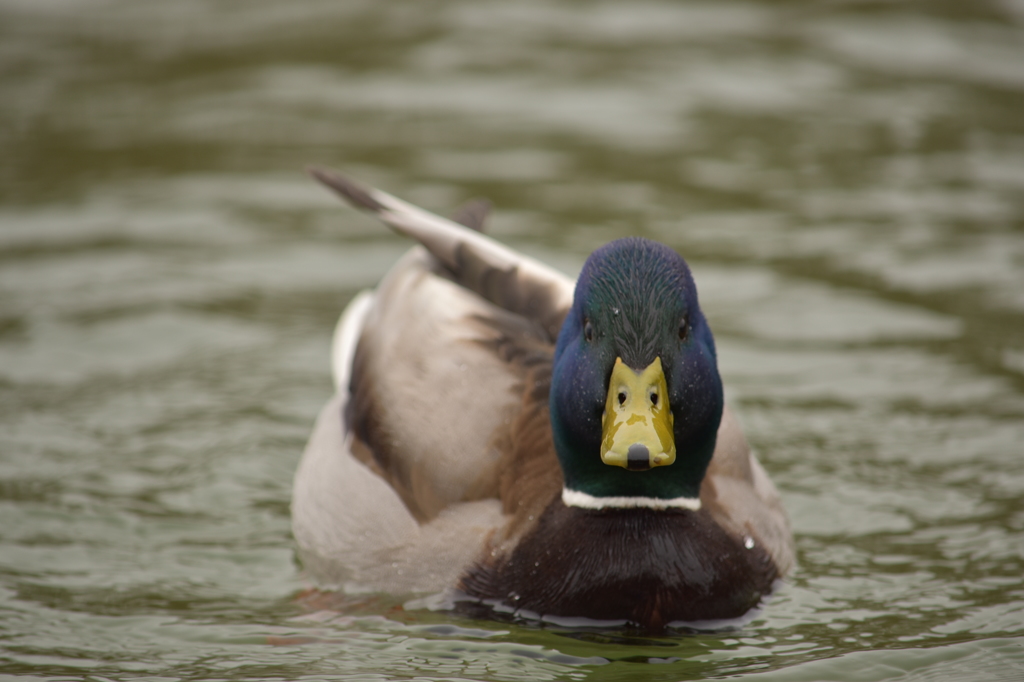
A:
x,y
684,328
654,399
622,397
588,331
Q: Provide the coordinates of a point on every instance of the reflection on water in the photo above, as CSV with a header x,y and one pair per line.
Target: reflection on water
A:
x,y
847,180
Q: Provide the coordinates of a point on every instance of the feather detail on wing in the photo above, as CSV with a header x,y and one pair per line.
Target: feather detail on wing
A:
x,y
509,280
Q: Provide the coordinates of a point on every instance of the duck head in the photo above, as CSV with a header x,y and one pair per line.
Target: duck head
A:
x,y
636,398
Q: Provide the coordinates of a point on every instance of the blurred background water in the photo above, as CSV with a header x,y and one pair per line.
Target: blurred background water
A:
x,y
846,179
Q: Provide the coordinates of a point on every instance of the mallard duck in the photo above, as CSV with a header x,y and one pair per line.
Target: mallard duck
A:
x,y
545,448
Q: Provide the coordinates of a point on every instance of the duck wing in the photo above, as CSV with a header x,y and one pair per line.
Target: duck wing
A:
x,y
742,498
454,335
511,281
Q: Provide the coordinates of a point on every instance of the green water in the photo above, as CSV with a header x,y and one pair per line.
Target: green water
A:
x,y
846,179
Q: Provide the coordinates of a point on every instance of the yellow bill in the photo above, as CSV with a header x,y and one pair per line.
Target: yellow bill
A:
x,y
637,423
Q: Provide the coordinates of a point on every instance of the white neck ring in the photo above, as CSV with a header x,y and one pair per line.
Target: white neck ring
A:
x,y
575,498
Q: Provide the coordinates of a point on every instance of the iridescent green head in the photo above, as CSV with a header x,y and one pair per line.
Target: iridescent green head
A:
x,y
636,398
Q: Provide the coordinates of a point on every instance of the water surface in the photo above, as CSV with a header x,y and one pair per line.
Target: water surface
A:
x,y
846,179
